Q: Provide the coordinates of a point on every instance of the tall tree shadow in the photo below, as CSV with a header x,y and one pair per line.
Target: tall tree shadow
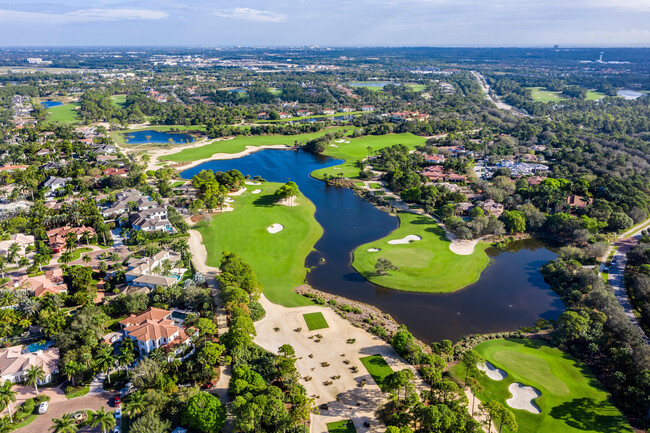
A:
x,y
587,414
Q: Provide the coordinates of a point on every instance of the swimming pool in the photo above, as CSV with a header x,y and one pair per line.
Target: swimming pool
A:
x,y
35,347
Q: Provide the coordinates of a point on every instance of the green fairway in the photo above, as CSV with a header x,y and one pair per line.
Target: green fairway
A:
x,y
426,265
542,95
278,259
572,400
357,149
315,321
417,87
240,143
119,100
378,369
346,426
64,113
592,95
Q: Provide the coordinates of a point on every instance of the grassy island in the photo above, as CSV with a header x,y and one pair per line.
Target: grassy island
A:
x,y
425,265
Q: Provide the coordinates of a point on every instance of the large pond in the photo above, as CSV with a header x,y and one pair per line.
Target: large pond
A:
x,y
629,93
510,293
50,104
381,84
150,136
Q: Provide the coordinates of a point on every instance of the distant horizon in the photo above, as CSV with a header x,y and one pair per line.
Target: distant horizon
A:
x,y
316,46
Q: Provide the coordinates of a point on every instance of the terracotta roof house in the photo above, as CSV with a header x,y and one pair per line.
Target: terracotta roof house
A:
x,y
122,172
51,282
14,362
56,237
493,208
21,239
577,201
153,329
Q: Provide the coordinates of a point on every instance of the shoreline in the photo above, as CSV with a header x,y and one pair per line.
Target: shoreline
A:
x,y
186,165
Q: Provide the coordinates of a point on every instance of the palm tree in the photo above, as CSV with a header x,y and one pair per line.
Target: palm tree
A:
x,y
102,266
71,241
13,251
3,266
71,369
104,361
65,424
6,426
136,404
86,259
33,375
5,328
23,262
103,419
66,257
7,396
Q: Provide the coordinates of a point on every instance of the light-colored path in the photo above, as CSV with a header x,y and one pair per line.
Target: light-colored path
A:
x,y
482,82
344,398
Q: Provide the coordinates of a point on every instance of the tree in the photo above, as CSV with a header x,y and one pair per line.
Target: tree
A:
x,y
514,220
150,422
67,257
384,265
104,419
206,327
204,413
65,424
288,192
470,361
7,396
71,369
136,404
87,259
105,361
33,375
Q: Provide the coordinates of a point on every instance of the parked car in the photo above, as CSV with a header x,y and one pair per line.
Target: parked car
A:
x,y
129,386
42,408
117,429
117,400
209,385
117,413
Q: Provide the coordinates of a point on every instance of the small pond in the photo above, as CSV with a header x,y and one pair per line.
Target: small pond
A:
x,y
157,137
50,104
629,94
381,84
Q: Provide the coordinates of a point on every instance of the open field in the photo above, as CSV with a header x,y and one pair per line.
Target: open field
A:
x,y
119,100
315,321
572,400
592,95
239,144
542,95
378,369
357,149
279,258
64,113
345,426
426,265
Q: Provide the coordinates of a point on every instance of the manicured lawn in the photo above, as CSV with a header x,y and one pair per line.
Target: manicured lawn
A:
x,y
66,113
346,426
315,321
375,185
417,87
378,369
239,144
572,400
592,95
357,149
27,421
427,265
76,254
277,259
178,183
119,100
78,393
542,95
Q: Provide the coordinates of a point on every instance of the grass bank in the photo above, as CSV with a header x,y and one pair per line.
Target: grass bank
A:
x,y
572,400
66,113
278,259
426,265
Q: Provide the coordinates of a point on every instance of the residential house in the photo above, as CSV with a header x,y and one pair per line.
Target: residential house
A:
x,y
57,237
10,168
368,108
303,113
577,201
328,111
435,159
493,208
149,220
284,115
140,272
262,116
121,172
154,329
49,283
346,110
54,183
15,361
21,239
121,205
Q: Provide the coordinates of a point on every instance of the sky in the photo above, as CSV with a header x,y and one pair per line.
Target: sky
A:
x,y
325,22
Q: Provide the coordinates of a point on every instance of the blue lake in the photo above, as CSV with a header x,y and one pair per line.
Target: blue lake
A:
x,y
372,83
510,293
50,104
156,137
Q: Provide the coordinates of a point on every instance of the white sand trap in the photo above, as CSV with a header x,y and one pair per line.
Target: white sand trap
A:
x,y
257,191
229,200
346,141
373,250
253,183
492,372
522,397
405,240
333,145
339,141
275,228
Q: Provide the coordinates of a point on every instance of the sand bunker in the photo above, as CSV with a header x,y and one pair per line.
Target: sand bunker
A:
x,y
373,250
522,397
229,200
492,372
275,228
405,240
339,141
253,183
333,145
257,191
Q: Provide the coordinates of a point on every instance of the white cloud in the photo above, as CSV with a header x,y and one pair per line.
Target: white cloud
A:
x,y
83,15
249,14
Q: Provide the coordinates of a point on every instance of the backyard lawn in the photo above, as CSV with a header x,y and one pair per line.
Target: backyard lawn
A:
x,y
357,149
66,113
571,398
240,143
378,369
278,259
426,265
345,426
315,321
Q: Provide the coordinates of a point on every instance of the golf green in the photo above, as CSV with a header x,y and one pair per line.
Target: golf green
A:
x,y
345,426
240,143
315,321
378,369
66,113
277,258
572,400
426,265
357,149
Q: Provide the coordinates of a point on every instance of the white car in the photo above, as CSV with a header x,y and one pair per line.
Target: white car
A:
x,y
42,408
117,429
118,413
